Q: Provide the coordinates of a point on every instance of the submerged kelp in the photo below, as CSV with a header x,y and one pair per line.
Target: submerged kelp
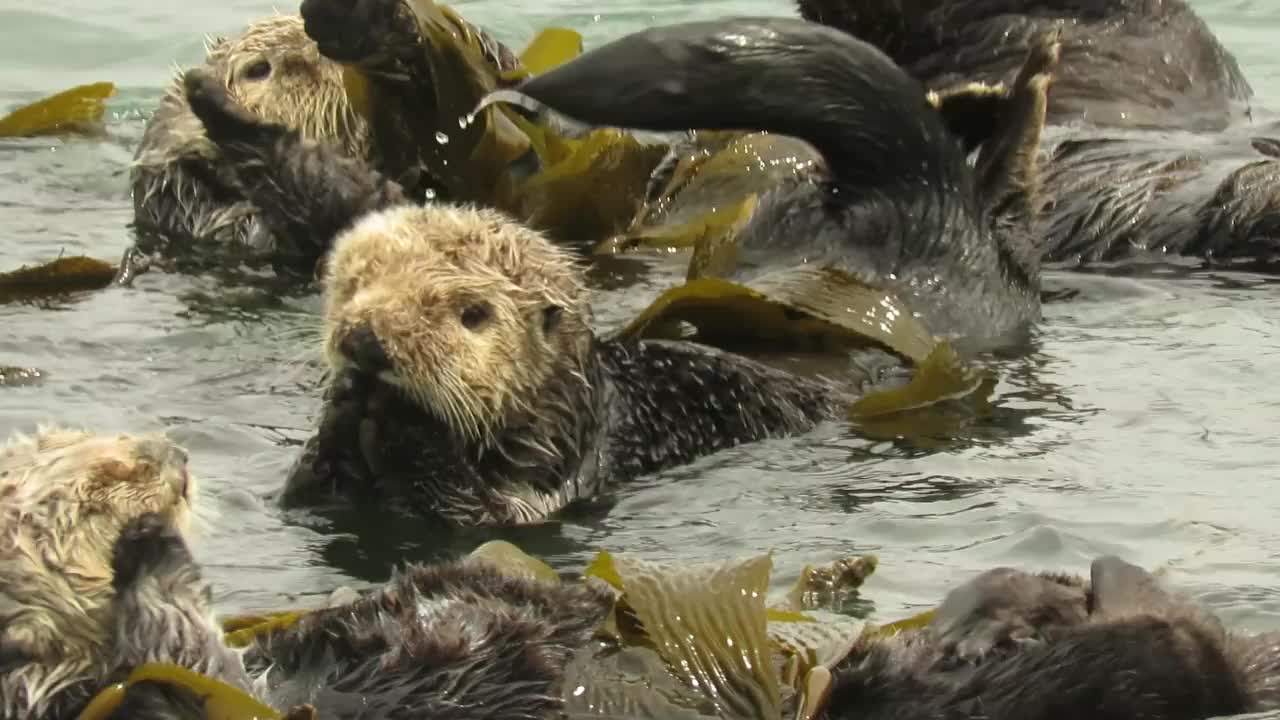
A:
x,y
77,110
59,277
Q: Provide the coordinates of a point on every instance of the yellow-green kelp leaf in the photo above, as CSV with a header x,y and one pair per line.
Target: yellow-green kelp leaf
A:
x,y
817,584
73,110
221,701
58,277
712,191
242,630
588,187
802,308
551,48
916,622
514,561
708,623
941,376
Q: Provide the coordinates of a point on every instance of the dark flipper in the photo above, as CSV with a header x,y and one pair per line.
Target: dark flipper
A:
x,y
306,192
867,117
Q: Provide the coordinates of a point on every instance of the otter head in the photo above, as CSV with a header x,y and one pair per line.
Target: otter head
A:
x,y
65,497
480,320
275,71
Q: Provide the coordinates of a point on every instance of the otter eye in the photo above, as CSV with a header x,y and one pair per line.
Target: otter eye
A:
x,y
475,315
551,317
258,70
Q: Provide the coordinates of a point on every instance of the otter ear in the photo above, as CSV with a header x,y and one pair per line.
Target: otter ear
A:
x,y
551,317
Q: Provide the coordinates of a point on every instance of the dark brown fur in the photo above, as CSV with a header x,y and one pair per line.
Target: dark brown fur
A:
x,y
1188,79
1009,645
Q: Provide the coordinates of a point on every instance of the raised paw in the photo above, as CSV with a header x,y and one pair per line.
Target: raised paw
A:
x,y
148,545
223,118
348,30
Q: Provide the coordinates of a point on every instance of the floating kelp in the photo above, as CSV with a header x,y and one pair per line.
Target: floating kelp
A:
x,y
58,277
578,189
77,110
221,701
20,376
714,182
700,641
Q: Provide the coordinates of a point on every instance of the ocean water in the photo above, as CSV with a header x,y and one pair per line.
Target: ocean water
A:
x,y
1145,420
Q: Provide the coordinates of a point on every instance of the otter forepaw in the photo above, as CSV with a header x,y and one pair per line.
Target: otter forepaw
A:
x,y
148,545
348,30
223,118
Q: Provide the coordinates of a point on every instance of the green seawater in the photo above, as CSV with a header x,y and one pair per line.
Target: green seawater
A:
x,y
1144,421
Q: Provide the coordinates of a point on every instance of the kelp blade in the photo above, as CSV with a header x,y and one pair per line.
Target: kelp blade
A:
x,y
512,560
713,190
941,376
221,701
550,48
708,623
73,110
58,277
242,630
798,308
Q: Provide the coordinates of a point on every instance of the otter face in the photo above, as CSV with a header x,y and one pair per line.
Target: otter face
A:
x,y
471,314
65,496
275,71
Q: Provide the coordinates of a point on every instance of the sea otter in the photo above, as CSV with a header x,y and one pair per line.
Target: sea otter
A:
x,y
65,497
1010,644
187,204
467,384
466,639
1188,80
1109,193
893,203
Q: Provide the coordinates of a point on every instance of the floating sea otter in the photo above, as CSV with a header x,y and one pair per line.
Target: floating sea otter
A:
x,y
1125,63
1109,194
65,497
468,384
1010,644
477,638
186,200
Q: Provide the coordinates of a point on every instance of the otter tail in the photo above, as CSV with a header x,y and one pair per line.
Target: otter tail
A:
x,y
305,192
864,114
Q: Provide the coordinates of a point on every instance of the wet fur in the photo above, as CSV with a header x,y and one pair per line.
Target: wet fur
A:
x,y
1010,644
1190,80
1110,196
509,420
65,496
896,204
451,640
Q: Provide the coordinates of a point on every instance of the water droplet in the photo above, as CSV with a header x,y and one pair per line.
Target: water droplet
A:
x,y
442,138
431,194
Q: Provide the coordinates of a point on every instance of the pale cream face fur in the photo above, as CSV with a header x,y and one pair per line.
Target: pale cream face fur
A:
x,y
277,73
65,495
476,312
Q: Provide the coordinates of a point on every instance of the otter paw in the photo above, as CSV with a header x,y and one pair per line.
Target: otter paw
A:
x,y
223,118
147,545
348,30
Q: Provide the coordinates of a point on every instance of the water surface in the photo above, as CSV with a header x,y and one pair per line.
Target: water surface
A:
x,y
1142,421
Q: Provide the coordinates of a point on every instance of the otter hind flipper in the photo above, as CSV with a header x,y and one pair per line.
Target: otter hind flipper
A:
x,y
862,112
1007,167
306,192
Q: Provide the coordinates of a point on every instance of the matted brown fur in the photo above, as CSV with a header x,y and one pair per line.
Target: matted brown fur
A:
x,y
476,313
65,496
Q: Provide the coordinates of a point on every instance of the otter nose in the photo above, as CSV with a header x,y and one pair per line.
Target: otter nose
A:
x,y
362,347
